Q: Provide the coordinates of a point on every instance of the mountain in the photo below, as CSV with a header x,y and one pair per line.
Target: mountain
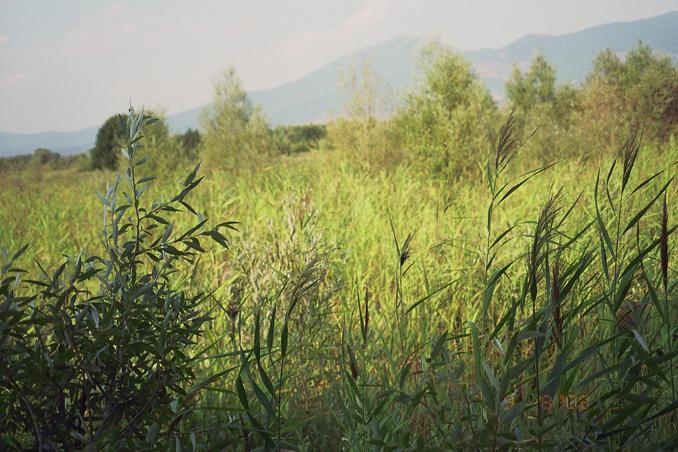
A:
x,y
317,97
572,54
66,143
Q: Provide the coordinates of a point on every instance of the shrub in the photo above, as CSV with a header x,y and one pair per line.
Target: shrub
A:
x,y
98,353
296,139
361,133
236,131
447,121
104,154
619,96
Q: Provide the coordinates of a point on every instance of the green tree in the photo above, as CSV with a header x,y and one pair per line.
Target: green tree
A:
x,y
637,92
295,139
543,106
448,119
360,131
167,154
189,141
104,155
42,156
236,131
528,89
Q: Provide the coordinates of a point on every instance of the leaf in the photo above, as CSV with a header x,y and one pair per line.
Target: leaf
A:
x,y
421,300
640,340
529,176
642,211
242,395
491,285
268,406
283,339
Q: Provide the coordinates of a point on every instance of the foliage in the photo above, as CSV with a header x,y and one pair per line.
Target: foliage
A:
x,y
291,140
104,154
359,132
190,141
368,305
235,131
449,118
638,92
43,156
98,353
542,105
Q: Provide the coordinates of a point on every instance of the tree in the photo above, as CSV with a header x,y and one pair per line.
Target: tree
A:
x,y
236,131
190,141
360,131
295,139
638,92
448,120
538,85
543,106
104,155
42,156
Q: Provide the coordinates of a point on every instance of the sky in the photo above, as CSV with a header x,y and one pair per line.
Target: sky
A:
x,y
67,65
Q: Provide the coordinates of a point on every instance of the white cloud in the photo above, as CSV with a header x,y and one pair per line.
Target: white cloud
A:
x,y
368,16
4,39
101,31
12,79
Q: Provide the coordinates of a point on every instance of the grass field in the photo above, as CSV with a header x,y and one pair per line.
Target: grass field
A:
x,y
423,313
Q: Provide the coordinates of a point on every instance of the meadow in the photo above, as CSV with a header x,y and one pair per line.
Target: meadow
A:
x,y
506,280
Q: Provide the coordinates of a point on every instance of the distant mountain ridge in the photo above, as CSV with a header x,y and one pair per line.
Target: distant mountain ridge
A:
x,y
316,97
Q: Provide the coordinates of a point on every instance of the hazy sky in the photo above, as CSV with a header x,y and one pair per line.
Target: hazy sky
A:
x,y
70,64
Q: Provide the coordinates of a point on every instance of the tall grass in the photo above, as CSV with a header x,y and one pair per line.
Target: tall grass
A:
x,y
381,308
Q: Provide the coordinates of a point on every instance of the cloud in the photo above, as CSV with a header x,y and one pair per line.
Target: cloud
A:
x,y
97,32
12,79
4,39
369,15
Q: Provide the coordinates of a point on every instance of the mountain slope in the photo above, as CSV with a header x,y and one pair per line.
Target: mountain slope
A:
x,y
63,142
572,54
317,97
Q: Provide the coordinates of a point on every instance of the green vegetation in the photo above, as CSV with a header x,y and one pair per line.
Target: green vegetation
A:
x,y
445,278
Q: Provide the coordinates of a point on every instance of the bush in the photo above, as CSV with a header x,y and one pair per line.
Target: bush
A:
x,y
189,141
236,132
639,92
447,122
361,133
296,139
540,105
99,352
104,154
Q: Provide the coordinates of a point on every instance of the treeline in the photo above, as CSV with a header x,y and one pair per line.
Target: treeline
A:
x,y
42,158
283,140
446,122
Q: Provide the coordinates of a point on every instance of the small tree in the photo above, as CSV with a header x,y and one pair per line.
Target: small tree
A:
x,y
542,105
190,141
361,131
447,121
42,156
236,131
639,92
525,90
104,155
